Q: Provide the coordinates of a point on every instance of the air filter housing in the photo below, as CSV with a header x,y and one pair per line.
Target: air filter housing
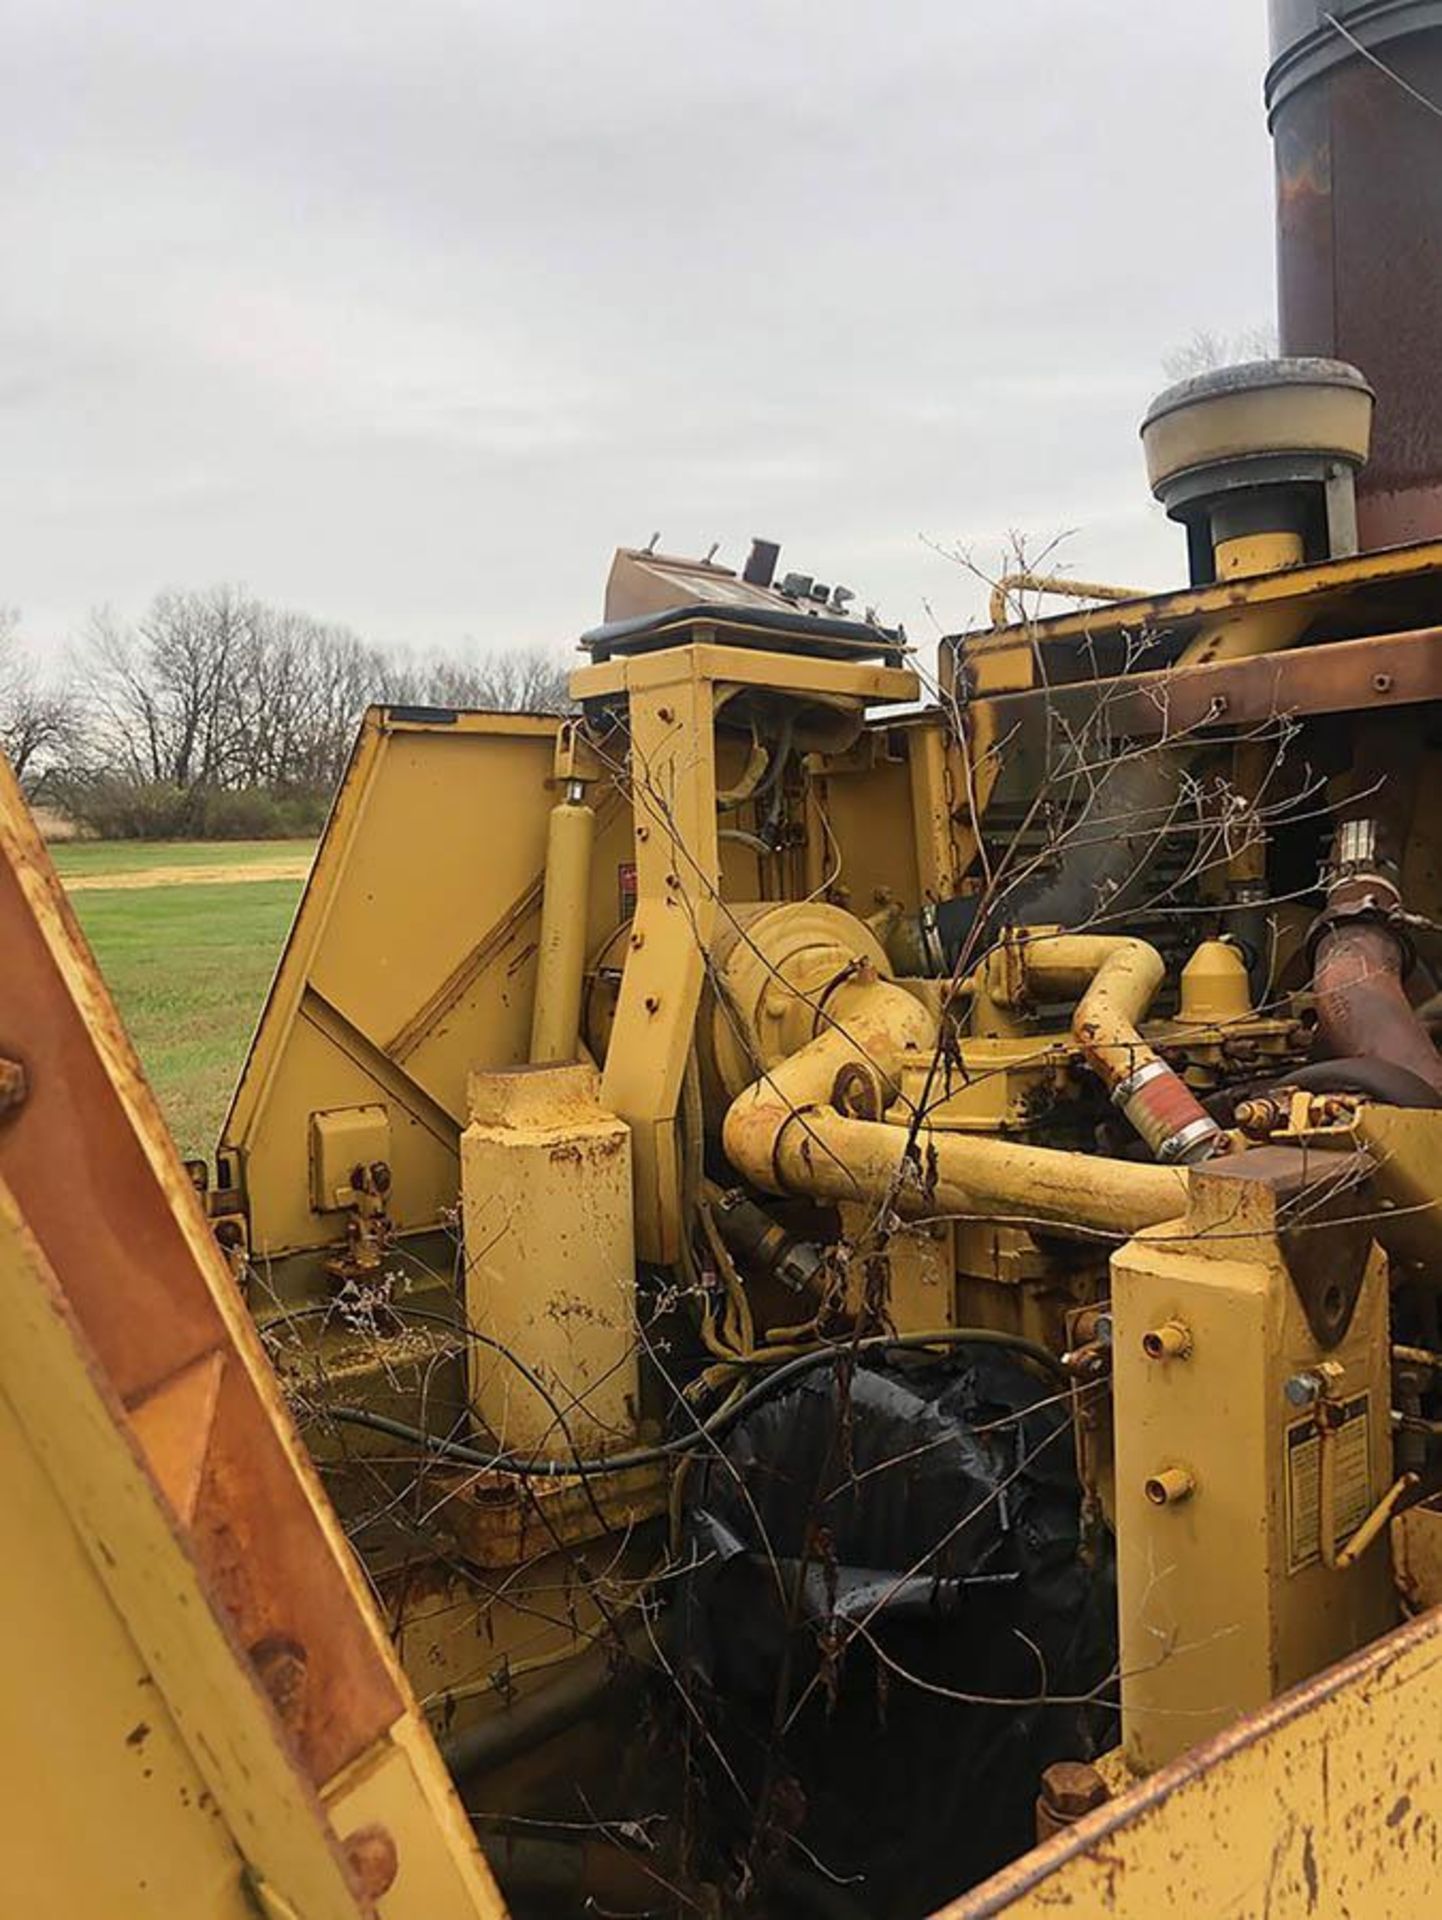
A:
x,y
1271,447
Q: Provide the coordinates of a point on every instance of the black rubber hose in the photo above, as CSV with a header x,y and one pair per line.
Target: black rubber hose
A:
x,y
556,1469
1382,1080
587,1875
506,1734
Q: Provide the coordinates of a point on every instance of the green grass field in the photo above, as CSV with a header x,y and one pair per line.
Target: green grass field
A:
x,y
77,858
188,964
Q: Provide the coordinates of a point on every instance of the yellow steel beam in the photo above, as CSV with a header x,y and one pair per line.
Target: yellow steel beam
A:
x,y
799,673
1161,611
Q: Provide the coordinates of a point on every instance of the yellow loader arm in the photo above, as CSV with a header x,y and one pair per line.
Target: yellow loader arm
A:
x,y
203,1713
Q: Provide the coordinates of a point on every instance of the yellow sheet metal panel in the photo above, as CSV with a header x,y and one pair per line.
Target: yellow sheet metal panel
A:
x,y
1324,1804
412,958
91,1745
868,846
139,1380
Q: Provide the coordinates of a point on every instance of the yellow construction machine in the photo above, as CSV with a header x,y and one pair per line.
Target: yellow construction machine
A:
x,y
859,1261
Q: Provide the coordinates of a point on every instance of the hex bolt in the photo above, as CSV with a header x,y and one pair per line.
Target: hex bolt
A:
x,y
372,1857
1170,1341
1170,1487
13,1086
1070,1789
1073,1787
283,1670
1304,1389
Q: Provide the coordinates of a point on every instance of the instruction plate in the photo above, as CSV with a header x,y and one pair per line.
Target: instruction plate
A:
x,y
1353,1441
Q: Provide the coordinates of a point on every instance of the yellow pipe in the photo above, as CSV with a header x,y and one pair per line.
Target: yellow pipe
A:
x,y
1060,585
561,958
1114,980
784,1135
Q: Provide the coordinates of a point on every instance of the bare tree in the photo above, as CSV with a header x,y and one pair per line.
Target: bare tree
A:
x,y
213,689
39,714
1206,350
510,680
165,689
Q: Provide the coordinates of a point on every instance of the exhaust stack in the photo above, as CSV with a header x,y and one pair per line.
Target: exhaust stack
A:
x,y
1359,230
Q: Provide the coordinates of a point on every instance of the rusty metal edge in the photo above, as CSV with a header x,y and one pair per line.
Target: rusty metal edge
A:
x,y
1034,1869
1336,676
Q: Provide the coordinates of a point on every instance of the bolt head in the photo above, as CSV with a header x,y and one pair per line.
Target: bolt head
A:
x,y
1072,1788
1303,1390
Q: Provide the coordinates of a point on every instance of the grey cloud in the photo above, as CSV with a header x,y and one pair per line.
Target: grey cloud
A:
x,y
408,315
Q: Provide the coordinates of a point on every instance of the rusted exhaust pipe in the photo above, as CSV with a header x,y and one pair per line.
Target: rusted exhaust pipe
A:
x,y
1359,230
1360,952
1362,1007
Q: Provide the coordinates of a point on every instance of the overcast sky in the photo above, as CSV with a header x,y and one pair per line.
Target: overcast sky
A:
x,y
407,314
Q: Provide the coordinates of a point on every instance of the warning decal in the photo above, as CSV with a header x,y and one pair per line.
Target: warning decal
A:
x,y
1352,1482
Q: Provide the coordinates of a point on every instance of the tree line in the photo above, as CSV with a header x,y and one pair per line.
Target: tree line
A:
x,y
216,713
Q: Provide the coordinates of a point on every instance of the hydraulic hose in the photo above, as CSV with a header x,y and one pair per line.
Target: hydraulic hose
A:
x,y
535,1467
506,1734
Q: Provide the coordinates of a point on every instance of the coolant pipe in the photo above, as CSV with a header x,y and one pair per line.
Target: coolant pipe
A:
x,y
561,954
784,1135
1113,980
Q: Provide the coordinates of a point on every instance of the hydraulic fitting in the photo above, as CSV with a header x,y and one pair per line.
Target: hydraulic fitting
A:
x,y
757,1240
1170,1341
1170,1487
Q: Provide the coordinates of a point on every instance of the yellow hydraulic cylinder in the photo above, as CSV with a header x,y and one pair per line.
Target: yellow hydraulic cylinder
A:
x,y
550,1262
561,962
